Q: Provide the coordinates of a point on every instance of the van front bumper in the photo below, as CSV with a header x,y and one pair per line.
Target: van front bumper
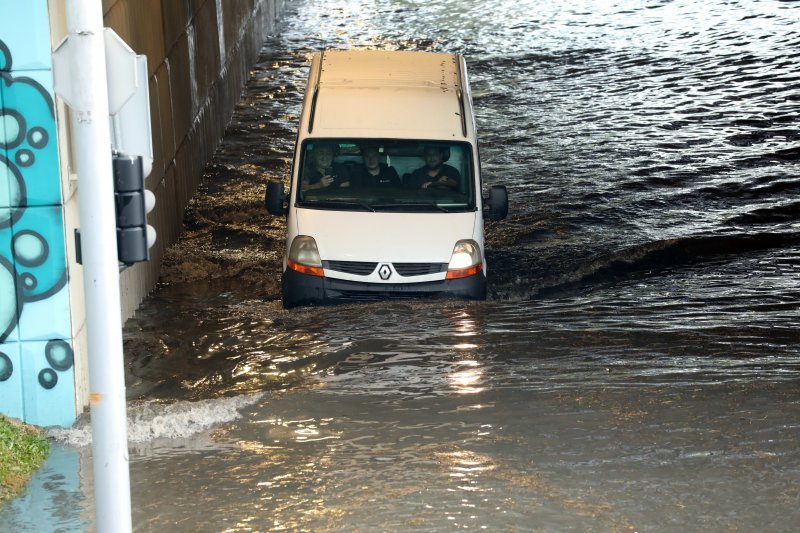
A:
x,y
304,289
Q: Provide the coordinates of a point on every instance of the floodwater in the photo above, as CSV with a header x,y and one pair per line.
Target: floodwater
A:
x,y
635,368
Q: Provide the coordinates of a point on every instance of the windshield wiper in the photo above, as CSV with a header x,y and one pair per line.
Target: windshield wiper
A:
x,y
336,204
411,205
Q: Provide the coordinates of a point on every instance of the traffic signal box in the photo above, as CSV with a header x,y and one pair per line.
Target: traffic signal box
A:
x,y
132,202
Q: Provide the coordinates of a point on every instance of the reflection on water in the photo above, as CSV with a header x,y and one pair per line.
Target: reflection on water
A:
x,y
636,365
467,379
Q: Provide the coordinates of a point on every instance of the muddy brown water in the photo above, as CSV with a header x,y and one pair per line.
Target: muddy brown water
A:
x,y
635,368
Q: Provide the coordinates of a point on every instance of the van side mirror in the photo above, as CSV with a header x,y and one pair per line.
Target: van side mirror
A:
x,y
495,206
275,199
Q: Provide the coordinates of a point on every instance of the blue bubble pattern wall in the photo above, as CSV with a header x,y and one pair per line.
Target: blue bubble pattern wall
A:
x,y
36,354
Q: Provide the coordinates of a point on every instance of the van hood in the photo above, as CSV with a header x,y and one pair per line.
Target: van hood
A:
x,y
385,237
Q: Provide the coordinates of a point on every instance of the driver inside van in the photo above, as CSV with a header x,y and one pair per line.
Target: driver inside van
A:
x,y
436,173
320,171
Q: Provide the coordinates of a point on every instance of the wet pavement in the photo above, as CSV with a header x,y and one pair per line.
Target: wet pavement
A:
x,y
635,368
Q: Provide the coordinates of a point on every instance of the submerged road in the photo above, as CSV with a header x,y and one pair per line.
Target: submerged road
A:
x,y
635,368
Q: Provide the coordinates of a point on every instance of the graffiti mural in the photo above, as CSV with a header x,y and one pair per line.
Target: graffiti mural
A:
x,y
36,357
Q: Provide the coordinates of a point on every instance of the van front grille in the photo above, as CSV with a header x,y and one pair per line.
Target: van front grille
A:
x,y
419,269
358,268
369,296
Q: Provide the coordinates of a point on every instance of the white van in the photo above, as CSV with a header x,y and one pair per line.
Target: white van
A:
x,y
385,197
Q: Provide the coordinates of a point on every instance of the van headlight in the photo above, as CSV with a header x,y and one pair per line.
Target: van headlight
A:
x,y
465,261
304,256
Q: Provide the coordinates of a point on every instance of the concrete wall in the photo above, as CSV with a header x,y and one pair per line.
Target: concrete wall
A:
x,y
199,54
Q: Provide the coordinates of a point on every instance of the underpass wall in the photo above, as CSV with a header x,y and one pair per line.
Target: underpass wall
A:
x,y
199,54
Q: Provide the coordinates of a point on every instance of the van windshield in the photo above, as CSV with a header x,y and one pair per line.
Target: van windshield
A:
x,y
386,175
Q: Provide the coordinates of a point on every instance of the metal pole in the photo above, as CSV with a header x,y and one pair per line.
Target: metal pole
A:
x,y
100,267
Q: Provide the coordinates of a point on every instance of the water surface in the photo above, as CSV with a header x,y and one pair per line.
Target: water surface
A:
x,y
635,367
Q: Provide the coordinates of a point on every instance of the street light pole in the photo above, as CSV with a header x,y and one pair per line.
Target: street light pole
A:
x,y
91,136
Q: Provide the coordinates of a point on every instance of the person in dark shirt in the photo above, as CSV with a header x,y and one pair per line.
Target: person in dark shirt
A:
x,y
436,173
320,171
373,173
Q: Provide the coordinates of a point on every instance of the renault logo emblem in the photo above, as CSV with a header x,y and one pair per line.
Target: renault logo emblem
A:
x,y
385,272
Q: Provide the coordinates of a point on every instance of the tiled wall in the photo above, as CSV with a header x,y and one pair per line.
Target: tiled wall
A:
x,y
37,370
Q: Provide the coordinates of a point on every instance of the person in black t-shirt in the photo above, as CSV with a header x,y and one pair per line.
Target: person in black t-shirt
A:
x,y
320,171
373,173
435,173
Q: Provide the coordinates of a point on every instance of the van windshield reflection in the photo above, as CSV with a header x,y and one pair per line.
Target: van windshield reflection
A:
x,y
386,175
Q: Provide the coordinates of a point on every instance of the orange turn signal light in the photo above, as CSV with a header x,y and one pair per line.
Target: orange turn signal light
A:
x,y
464,272
305,269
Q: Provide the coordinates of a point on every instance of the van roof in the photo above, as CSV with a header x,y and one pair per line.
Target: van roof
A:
x,y
392,94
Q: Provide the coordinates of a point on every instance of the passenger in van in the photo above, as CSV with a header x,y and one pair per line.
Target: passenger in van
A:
x,y
320,171
436,173
373,173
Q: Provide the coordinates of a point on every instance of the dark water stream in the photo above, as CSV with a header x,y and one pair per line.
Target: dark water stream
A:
x,y
635,368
